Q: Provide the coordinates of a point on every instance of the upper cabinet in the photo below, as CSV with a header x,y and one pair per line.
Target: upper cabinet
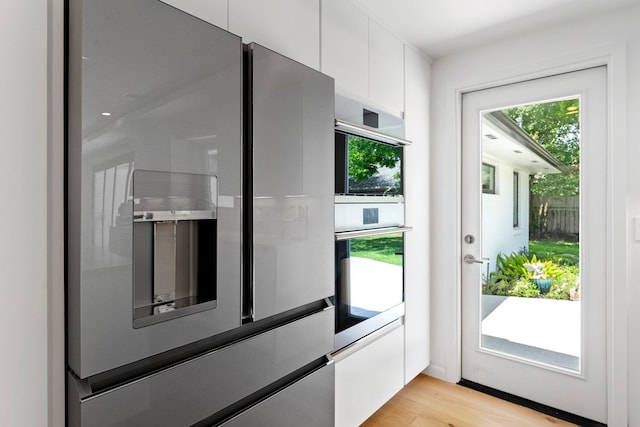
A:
x,y
386,68
212,11
345,49
289,27
366,61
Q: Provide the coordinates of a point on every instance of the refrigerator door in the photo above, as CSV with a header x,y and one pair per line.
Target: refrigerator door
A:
x,y
154,158
293,163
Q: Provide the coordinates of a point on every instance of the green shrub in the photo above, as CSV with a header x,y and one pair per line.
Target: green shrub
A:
x,y
512,278
524,288
511,268
562,285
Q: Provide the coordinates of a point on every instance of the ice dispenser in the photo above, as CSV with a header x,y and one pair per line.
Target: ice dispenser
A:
x,y
174,245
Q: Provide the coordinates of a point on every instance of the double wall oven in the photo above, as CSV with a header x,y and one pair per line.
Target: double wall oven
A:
x,y
369,219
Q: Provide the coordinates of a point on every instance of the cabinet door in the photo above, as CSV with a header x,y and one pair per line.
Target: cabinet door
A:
x,y
345,47
416,176
367,379
293,190
212,11
291,27
386,69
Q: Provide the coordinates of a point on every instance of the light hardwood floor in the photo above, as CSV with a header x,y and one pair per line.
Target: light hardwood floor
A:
x,y
426,401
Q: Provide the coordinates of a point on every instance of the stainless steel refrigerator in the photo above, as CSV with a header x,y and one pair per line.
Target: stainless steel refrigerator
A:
x,y
199,225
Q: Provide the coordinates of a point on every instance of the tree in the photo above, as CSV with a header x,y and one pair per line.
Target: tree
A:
x,y
366,157
556,126
365,160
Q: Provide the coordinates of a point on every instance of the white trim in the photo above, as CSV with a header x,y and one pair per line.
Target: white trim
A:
x,y
617,321
614,57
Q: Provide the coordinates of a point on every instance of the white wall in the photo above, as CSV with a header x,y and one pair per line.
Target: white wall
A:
x,y
615,36
23,191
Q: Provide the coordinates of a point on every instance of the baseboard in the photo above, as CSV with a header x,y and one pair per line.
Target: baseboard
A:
x,y
437,372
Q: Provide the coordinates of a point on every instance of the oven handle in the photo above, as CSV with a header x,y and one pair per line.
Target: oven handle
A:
x,y
371,133
346,235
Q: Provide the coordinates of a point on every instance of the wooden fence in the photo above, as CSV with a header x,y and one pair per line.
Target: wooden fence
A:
x,y
554,215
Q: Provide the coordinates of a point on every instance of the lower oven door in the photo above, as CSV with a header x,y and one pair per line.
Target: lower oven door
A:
x,y
369,281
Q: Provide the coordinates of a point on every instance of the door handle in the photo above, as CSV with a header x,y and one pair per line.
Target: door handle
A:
x,y
470,259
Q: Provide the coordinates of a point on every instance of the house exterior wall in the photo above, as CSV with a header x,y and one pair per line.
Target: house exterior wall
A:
x,y
498,233
615,36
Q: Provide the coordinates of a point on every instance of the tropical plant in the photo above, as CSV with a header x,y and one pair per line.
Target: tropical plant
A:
x,y
512,278
510,268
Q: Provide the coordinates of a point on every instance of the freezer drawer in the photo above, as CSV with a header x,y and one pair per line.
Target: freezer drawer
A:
x,y
194,390
308,402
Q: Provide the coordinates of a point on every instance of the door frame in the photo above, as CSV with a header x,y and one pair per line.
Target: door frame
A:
x,y
614,58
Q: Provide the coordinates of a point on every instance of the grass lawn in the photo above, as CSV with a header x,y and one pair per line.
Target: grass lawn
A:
x,y
559,251
379,248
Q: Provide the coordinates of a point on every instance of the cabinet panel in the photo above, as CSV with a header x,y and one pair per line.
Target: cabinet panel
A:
x,y
290,27
212,11
386,68
368,378
416,176
345,47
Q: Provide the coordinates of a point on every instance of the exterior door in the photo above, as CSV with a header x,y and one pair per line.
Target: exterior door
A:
x,y
522,332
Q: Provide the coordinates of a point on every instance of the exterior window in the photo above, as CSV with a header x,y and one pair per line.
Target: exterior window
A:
x,y
488,179
516,199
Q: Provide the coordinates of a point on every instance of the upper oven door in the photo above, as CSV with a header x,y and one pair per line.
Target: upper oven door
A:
x,y
154,177
366,167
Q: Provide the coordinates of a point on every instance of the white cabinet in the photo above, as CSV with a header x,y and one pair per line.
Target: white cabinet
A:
x,y
212,11
416,181
368,378
366,60
386,69
345,50
289,27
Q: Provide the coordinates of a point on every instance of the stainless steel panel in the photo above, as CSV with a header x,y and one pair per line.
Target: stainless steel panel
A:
x,y
151,88
353,112
362,329
370,133
309,402
187,393
346,235
293,162
357,216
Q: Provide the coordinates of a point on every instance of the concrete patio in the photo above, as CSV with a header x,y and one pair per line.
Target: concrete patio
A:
x,y
542,330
